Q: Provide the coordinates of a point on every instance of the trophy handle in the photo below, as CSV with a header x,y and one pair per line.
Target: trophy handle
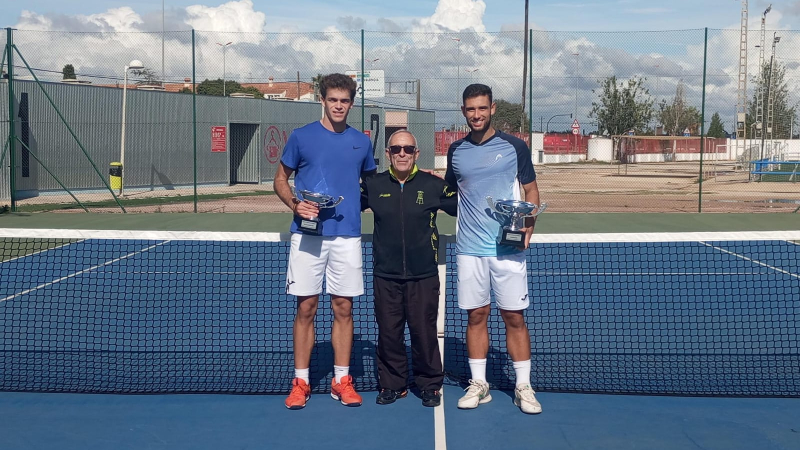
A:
x,y
540,209
336,202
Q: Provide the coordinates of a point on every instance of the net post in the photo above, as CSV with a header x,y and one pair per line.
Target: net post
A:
x,y
703,123
11,125
194,121
444,241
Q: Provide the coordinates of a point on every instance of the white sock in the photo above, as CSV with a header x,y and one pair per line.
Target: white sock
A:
x,y
302,374
523,370
478,369
340,371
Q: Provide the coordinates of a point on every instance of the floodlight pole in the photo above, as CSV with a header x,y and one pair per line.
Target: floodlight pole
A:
x,y
458,65
224,75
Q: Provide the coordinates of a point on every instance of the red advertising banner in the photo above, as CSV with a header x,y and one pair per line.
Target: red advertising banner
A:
x,y
218,141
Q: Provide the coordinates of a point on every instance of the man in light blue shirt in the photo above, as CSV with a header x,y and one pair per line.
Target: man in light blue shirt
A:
x,y
491,163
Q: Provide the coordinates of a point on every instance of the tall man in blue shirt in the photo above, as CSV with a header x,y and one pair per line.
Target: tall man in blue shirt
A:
x,y
489,162
327,157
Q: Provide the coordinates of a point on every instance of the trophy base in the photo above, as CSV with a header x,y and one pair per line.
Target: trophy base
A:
x,y
311,227
513,238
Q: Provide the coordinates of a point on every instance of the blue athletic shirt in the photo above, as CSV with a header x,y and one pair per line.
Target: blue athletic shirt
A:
x,y
494,168
330,163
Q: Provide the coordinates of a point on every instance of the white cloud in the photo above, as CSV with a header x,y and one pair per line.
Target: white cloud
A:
x,y
235,16
122,19
455,15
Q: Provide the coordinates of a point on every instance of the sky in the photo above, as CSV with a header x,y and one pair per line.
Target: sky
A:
x,y
577,44
318,15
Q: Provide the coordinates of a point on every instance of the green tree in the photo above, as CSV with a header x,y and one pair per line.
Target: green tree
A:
x,y
508,116
214,87
68,72
622,106
315,81
784,111
678,116
185,90
715,129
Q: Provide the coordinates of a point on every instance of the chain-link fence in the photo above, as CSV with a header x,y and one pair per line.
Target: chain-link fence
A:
x,y
108,122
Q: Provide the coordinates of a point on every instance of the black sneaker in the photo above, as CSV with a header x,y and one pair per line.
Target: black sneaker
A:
x,y
388,396
431,397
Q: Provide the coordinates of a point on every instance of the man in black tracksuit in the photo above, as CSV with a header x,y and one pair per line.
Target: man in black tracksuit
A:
x,y
405,243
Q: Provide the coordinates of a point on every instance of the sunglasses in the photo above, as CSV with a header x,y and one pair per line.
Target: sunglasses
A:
x,y
396,149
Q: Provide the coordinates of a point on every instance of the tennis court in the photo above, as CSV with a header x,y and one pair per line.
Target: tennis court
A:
x,y
701,327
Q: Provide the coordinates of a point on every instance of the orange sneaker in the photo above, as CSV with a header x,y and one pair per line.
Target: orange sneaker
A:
x,y
301,393
345,392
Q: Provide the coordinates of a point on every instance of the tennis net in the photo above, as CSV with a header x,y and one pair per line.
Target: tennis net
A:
x,y
158,312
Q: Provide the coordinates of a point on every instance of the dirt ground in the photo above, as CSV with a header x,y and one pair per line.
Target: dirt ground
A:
x,y
581,187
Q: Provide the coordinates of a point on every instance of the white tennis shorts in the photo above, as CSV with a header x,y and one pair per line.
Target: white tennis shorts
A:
x,y
506,276
336,258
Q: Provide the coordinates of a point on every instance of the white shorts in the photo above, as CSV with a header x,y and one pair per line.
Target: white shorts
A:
x,y
506,276
337,258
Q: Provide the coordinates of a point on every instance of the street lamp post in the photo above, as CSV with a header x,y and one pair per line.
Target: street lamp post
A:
x,y
658,82
224,48
547,128
370,61
458,64
576,83
471,73
576,54
133,65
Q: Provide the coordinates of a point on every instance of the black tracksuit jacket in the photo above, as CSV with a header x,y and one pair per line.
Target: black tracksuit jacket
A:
x,y
405,238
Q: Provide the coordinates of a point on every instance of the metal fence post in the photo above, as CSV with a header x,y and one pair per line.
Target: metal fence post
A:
x,y
703,124
194,120
363,82
12,138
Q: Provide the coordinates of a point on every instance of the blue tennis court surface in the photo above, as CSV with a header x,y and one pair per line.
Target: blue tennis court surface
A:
x,y
697,320
255,422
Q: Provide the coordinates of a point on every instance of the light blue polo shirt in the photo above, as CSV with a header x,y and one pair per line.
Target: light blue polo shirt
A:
x,y
494,168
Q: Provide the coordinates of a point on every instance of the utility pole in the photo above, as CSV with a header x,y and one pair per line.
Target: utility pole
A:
x,y
762,88
418,95
771,96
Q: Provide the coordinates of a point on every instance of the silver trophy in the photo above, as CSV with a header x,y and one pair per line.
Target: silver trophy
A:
x,y
313,225
516,211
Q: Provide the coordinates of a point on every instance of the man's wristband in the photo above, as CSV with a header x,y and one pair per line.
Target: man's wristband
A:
x,y
295,201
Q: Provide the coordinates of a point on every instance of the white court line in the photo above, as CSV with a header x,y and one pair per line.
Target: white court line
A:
x,y
754,261
440,437
72,275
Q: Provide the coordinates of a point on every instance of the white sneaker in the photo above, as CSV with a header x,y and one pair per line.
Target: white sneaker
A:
x,y
477,393
525,398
